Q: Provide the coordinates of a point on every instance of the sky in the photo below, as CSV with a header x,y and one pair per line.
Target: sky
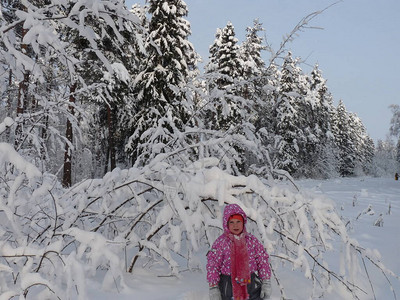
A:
x,y
356,45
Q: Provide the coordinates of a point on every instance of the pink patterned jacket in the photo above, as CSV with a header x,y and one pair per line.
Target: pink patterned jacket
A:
x,y
219,257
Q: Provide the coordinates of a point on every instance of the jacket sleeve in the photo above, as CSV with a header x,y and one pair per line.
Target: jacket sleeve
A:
x,y
262,260
214,262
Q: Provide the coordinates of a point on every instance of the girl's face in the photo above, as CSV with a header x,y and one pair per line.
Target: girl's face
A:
x,y
235,226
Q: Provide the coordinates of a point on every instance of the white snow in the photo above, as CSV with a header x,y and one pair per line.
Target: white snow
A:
x,y
380,241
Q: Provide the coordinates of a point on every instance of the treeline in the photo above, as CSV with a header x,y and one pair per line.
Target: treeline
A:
x,y
88,86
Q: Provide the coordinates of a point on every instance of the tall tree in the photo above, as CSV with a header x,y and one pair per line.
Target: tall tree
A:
x,y
395,126
230,108
254,69
289,132
320,153
224,73
344,141
385,162
251,49
162,106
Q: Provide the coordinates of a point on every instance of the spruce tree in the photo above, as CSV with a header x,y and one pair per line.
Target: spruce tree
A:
x,y
254,72
289,134
253,64
223,74
395,126
162,108
321,153
229,108
266,104
343,137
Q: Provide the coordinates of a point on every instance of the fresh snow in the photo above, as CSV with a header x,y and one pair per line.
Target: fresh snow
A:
x,y
380,194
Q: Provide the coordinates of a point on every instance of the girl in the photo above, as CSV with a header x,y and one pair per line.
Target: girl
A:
x,y
237,264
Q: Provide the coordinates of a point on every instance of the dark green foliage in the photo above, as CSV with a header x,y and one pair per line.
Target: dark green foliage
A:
x,y
165,71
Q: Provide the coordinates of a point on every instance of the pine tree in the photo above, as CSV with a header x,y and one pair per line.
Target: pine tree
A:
x,y
223,74
253,64
229,108
289,134
212,65
368,154
254,76
228,58
320,154
395,126
162,108
266,119
345,143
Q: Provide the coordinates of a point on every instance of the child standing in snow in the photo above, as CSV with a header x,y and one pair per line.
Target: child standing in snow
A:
x,y
237,264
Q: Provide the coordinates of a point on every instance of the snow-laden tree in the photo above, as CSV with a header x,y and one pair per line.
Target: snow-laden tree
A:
x,y
112,93
260,86
346,145
253,64
225,57
384,162
265,121
320,153
395,121
162,107
365,147
51,71
225,108
224,77
395,126
288,130
398,151
105,69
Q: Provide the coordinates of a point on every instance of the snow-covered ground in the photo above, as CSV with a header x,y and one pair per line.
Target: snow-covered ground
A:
x,y
360,201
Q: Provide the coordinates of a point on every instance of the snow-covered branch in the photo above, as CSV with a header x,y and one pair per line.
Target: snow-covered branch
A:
x,y
157,214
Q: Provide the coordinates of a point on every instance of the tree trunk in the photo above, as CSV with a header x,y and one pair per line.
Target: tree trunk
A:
x,y
69,135
21,106
111,133
22,100
8,104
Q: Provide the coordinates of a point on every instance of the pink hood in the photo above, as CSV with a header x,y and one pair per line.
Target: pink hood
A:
x,y
219,257
230,210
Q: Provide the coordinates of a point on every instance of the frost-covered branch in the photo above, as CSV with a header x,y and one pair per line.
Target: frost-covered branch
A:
x,y
288,38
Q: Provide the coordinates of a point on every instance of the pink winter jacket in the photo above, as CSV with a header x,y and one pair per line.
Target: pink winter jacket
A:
x,y
219,257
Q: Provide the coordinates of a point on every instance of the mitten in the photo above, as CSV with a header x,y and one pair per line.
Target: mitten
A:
x,y
215,293
266,289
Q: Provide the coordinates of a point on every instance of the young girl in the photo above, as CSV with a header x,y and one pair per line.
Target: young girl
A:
x,y
237,264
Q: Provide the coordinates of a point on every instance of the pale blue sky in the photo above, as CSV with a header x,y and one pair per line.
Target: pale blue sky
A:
x,y
357,49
